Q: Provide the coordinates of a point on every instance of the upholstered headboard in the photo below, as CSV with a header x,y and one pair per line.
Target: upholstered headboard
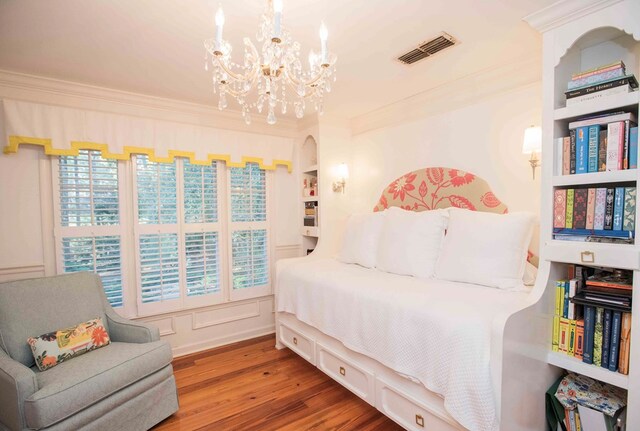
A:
x,y
431,188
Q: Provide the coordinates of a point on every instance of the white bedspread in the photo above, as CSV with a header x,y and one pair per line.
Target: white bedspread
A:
x,y
435,331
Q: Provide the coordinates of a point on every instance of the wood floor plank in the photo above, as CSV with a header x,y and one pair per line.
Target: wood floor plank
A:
x,y
252,386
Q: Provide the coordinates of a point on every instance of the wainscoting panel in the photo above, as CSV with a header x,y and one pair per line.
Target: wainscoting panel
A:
x,y
225,314
165,324
21,272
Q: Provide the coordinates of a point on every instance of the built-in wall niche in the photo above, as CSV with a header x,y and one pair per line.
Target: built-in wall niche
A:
x,y
309,154
595,48
310,199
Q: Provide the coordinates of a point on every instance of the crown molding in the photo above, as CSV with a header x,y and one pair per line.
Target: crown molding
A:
x,y
506,76
564,11
57,92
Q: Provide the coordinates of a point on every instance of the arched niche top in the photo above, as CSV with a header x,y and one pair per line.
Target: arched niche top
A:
x,y
309,152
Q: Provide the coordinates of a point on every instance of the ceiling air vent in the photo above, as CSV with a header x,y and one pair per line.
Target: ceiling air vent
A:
x,y
428,48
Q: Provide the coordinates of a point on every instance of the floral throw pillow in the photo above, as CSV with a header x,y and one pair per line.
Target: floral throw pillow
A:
x,y
55,347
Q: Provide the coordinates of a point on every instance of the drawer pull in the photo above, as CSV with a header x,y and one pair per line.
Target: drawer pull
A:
x,y
587,257
343,371
295,341
419,420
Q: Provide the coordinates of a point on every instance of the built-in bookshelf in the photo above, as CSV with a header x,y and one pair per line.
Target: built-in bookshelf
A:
x,y
591,41
310,199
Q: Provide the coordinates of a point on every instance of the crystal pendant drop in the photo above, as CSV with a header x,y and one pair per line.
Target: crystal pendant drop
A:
x,y
301,89
222,102
284,108
247,118
299,111
271,118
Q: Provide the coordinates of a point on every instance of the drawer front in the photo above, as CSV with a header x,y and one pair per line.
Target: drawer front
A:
x,y
408,413
596,254
301,344
358,380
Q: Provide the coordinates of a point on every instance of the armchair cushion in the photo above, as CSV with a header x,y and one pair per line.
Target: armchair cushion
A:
x,y
75,385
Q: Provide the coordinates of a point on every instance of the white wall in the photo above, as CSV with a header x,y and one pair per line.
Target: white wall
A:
x,y
484,137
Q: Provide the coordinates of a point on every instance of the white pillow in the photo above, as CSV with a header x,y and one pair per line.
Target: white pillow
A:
x,y
530,274
360,240
410,241
485,248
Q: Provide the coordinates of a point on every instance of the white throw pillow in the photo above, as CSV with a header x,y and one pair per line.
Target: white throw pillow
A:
x,y
410,242
485,248
360,240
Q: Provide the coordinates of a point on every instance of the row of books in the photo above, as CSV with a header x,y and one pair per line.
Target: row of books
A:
x,y
592,318
592,213
600,82
600,143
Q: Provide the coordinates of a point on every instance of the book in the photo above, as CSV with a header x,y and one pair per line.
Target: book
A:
x,y
618,208
591,207
565,304
625,146
580,209
592,152
559,207
633,148
569,214
606,338
615,145
621,280
572,338
566,155
597,337
572,152
599,69
614,82
597,77
608,209
559,297
573,289
563,337
616,321
556,333
582,150
579,339
589,329
629,213
598,218
600,94
625,340
602,151
603,119
607,233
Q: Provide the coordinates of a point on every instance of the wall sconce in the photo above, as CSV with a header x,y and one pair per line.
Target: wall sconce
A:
x,y
341,172
532,145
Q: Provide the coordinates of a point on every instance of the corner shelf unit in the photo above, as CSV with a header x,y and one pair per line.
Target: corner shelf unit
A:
x,y
602,36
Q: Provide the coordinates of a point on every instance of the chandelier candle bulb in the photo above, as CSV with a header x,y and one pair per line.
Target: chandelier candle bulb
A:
x,y
219,25
277,19
324,34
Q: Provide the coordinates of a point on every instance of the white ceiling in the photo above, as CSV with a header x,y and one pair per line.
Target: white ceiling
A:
x,y
155,46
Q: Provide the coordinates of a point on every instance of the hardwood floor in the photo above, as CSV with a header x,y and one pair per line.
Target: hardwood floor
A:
x,y
253,386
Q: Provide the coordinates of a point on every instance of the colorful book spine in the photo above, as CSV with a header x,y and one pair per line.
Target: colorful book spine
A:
x,y
565,304
580,208
597,337
633,148
625,340
620,81
559,297
601,199
563,337
572,151
571,309
594,137
615,143
596,78
556,333
569,215
618,208
616,321
571,348
589,329
608,209
579,339
629,219
566,155
591,208
604,68
602,151
582,150
559,207
606,338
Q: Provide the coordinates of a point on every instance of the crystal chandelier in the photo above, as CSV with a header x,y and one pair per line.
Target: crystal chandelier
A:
x,y
273,77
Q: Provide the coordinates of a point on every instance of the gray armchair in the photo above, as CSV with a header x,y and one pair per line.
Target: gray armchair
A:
x,y
127,385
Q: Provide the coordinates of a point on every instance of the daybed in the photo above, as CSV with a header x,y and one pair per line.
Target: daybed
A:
x,y
428,353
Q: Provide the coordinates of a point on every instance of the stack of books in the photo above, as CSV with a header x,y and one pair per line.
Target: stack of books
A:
x,y
595,214
605,142
592,320
602,81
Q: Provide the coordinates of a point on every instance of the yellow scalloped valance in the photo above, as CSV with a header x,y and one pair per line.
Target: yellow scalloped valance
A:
x,y
64,131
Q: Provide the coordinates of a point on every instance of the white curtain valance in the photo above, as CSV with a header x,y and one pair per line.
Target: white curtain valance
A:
x,y
64,131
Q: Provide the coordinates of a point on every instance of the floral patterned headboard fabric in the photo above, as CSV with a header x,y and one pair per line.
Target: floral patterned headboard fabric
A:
x,y
431,188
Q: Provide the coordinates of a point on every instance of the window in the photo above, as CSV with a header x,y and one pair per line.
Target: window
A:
x,y
87,219
200,232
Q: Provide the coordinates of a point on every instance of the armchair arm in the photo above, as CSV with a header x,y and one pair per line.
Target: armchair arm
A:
x,y
17,383
128,331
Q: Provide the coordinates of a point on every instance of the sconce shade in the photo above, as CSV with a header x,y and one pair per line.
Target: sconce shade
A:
x,y
342,171
532,140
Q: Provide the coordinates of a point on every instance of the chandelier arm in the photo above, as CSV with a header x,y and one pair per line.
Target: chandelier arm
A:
x,y
295,82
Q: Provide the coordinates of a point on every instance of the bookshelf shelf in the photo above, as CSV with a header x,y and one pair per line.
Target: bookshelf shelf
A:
x,y
310,199
607,255
617,101
623,176
576,365
311,170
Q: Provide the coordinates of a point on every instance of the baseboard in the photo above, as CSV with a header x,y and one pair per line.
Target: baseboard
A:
x,y
222,341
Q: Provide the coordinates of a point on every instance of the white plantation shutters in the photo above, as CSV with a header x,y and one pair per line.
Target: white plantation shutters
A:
x,y
249,246
87,219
